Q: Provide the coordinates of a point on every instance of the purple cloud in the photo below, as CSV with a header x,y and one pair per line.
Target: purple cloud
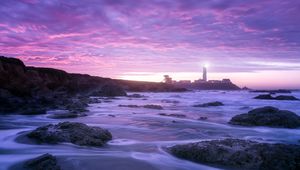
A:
x,y
156,35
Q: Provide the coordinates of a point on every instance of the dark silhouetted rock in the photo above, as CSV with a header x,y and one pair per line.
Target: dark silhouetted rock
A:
x,y
43,162
267,116
270,97
209,104
240,154
152,106
76,133
33,90
112,90
173,115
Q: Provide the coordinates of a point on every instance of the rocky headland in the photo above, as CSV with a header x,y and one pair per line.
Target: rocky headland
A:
x,y
34,90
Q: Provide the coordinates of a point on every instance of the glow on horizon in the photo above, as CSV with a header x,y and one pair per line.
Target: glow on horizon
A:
x,y
266,79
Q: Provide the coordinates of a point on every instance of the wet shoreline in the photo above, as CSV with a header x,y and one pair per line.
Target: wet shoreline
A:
x,y
140,134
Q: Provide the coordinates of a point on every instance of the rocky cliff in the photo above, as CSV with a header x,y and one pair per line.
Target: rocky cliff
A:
x,y
24,88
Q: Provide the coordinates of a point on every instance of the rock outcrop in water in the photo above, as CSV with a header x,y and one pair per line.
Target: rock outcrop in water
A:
x,y
267,116
147,106
240,154
135,95
76,133
43,162
270,97
153,106
271,91
173,115
210,104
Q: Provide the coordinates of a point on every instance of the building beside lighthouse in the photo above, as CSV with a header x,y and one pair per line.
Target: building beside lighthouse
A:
x,y
204,76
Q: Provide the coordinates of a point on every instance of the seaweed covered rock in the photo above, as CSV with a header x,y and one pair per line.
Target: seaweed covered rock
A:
x,y
240,154
76,133
267,116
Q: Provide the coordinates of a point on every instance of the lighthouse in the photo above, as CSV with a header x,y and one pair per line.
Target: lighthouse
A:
x,y
204,73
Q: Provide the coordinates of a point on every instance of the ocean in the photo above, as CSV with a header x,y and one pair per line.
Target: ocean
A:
x,y
140,135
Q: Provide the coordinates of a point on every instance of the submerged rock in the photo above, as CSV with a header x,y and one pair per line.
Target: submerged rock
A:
x,y
64,114
270,97
43,162
136,95
149,106
267,116
241,154
173,115
210,104
169,101
271,91
202,118
130,105
152,106
282,97
33,111
76,133
264,96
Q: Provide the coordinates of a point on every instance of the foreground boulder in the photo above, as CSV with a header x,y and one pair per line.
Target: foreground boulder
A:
x,y
43,162
76,133
209,104
267,116
241,154
280,97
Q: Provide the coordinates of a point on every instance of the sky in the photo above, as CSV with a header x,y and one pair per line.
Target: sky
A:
x,y
255,43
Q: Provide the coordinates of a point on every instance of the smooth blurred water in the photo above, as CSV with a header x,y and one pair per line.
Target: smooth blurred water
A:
x,y
140,134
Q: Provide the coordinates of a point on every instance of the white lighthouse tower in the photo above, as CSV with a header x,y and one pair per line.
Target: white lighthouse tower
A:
x,y
204,77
